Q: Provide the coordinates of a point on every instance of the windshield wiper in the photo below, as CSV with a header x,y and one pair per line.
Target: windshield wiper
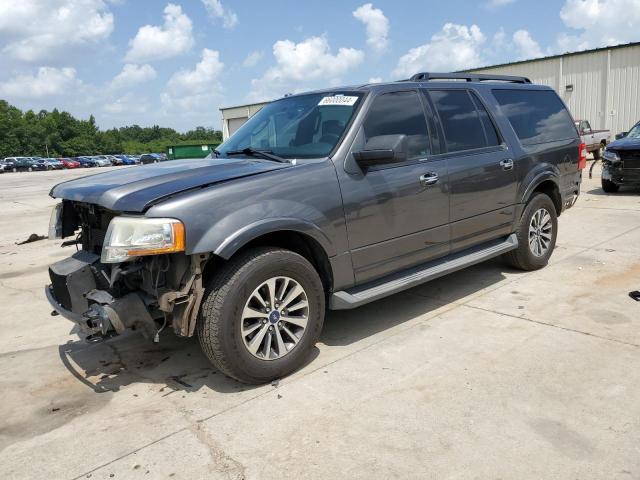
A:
x,y
267,155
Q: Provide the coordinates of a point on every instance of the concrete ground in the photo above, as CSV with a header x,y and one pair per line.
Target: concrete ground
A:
x,y
487,373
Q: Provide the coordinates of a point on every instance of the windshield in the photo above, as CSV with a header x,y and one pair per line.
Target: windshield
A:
x,y
305,126
634,132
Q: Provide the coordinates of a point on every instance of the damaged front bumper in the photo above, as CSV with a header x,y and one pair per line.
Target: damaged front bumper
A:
x,y
105,303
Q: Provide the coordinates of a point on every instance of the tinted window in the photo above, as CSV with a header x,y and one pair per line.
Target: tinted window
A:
x,y
487,124
537,116
399,113
460,120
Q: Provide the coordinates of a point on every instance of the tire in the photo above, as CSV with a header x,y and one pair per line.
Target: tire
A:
x,y
220,321
30,169
525,257
15,170
609,187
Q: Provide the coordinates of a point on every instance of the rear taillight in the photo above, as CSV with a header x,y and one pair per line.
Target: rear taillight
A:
x,y
582,160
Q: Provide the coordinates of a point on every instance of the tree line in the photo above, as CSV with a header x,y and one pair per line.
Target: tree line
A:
x,y
62,135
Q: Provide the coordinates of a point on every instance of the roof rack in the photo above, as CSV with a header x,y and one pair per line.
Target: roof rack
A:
x,y
469,77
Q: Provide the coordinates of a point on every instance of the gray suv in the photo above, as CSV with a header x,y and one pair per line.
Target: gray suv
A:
x,y
323,200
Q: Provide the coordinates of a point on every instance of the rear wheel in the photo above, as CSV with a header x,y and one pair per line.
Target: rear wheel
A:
x,y
609,187
536,232
262,314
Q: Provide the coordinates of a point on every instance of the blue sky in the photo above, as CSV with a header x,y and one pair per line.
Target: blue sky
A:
x,y
175,63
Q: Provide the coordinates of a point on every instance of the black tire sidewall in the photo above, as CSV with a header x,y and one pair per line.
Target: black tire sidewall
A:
x,y
279,263
537,202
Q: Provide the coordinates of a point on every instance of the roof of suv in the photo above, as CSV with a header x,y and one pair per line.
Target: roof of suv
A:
x,y
446,79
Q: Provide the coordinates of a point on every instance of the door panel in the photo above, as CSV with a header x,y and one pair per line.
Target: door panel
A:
x,y
482,197
482,174
397,214
393,220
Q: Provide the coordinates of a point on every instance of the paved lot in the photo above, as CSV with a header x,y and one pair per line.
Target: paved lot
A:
x,y
488,373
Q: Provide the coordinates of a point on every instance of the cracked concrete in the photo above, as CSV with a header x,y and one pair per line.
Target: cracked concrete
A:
x,y
487,373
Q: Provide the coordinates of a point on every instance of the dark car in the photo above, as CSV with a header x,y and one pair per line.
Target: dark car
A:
x,y
151,158
323,200
85,162
621,161
28,164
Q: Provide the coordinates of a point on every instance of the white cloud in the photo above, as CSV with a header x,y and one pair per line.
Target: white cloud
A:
x,y
127,104
526,46
300,65
47,82
601,23
377,26
195,89
375,80
34,30
252,59
133,74
216,10
159,42
455,47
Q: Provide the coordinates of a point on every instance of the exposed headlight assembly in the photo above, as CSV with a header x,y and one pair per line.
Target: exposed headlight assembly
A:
x,y
131,237
611,156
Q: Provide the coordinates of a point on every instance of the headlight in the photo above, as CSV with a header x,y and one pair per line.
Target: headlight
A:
x,y
55,222
611,156
130,237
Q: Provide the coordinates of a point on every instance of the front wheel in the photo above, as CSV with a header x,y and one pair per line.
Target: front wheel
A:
x,y
536,232
609,187
261,315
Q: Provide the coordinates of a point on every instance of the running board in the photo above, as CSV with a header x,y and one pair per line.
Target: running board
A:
x,y
397,282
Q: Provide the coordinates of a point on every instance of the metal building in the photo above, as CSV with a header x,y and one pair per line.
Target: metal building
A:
x,y
234,117
600,85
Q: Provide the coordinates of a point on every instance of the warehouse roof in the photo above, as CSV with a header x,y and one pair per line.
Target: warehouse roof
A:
x,y
566,54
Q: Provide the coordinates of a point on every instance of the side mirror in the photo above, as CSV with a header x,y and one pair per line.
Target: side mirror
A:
x,y
621,135
382,150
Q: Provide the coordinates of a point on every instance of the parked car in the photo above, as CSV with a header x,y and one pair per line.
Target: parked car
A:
x,y
126,159
360,193
69,163
27,164
150,158
51,163
102,160
595,140
4,166
621,161
85,162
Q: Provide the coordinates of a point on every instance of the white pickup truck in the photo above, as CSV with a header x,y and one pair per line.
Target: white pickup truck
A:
x,y
595,140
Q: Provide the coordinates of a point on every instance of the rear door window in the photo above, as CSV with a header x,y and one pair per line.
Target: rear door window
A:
x,y
537,116
463,129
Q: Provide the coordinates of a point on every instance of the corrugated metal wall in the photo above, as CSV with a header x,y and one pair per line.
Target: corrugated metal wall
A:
x,y
606,84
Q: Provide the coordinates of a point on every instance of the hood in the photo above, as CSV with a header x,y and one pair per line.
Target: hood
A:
x,y
134,189
625,143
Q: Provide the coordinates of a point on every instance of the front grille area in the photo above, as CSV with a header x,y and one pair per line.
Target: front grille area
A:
x,y
94,222
630,159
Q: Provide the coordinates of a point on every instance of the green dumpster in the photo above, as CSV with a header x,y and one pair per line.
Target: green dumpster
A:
x,y
198,150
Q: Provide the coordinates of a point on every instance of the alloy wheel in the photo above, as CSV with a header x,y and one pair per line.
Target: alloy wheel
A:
x,y
540,232
274,318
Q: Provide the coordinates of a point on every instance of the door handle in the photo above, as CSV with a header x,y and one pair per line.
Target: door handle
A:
x,y
428,179
506,164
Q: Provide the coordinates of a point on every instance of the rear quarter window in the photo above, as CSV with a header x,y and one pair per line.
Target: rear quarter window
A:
x,y
537,116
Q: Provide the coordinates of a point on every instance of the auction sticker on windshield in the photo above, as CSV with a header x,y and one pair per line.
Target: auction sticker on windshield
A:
x,y
339,100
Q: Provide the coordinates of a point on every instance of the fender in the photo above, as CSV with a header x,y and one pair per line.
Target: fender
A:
x,y
530,184
241,237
